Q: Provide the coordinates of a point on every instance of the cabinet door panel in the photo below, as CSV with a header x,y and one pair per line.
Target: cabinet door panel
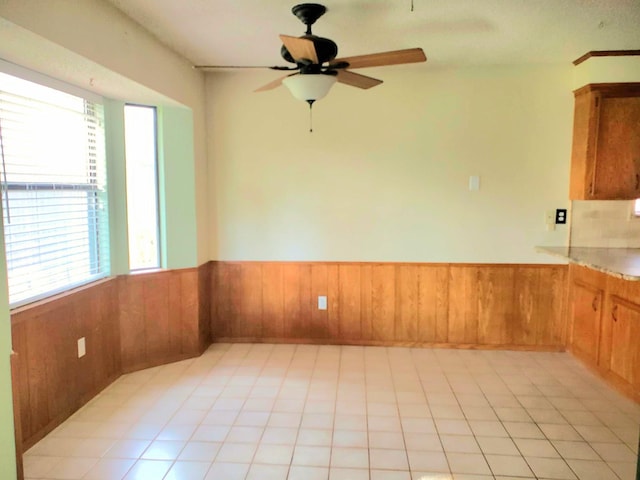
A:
x,y
586,308
625,340
617,155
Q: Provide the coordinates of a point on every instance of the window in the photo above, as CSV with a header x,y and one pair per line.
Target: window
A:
x,y
142,186
53,189
636,207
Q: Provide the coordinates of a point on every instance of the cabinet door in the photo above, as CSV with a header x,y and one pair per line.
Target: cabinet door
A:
x,y
586,309
625,340
617,149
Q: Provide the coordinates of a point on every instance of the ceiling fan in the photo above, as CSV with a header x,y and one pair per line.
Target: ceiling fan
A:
x,y
316,66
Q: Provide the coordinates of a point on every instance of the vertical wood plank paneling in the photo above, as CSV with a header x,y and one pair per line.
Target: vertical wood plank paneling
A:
x,y
54,382
366,304
222,308
463,305
20,343
186,325
291,299
82,313
552,302
272,300
541,304
349,300
234,293
248,300
174,317
156,316
407,301
433,303
318,324
132,328
307,303
527,328
128,323
333,302
16,388
204,305
496,305
39,354
383,302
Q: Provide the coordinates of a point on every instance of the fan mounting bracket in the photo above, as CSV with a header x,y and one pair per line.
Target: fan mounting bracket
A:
x,y
308,13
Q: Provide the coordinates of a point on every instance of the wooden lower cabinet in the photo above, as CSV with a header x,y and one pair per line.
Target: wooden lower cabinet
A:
x,y
586,316
624,360
604,326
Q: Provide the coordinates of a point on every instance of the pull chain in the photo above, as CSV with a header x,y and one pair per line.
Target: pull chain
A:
x,y
310,102
412,5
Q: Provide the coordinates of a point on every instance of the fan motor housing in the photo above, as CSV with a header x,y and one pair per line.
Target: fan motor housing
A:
x,y
326,49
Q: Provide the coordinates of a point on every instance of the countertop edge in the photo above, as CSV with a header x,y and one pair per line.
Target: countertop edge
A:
x,y
565,253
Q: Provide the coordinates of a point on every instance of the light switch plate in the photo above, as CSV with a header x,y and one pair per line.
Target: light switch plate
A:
x,y
82,347
322,302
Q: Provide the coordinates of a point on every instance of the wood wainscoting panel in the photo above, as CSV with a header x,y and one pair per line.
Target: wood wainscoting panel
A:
x,y
463,304
204,306
54,382
542,316
130,322
349,296
497,317
17,425
433,304
382,312
273,300
159,317
470,305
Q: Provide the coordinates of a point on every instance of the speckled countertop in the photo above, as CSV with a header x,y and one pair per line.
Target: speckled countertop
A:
x,y
619,262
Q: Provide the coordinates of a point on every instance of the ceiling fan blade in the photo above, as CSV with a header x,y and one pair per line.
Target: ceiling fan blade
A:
x,y
236,67
300,48
274,84
396,57
357,80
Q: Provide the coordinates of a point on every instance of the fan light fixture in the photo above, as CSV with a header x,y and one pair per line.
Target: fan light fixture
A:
x,y
309,87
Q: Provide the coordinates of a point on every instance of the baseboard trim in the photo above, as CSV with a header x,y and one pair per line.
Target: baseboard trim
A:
x,y
377,343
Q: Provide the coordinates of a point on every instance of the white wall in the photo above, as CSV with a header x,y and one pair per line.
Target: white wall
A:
x,y
384,176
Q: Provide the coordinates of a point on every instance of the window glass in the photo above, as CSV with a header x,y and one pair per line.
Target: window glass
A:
x,y
54,189
142,187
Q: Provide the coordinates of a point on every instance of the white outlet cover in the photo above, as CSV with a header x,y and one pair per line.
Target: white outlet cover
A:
x,y
474,183
82,347
322,302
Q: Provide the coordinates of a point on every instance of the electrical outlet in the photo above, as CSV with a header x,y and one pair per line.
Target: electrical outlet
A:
x,y
561,216
82,347
322,302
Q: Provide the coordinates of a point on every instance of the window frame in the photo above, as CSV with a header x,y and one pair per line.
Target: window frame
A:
x,y
98,269
157,206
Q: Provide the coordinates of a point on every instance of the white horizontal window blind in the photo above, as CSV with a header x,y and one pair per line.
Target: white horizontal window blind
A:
x,y
54,195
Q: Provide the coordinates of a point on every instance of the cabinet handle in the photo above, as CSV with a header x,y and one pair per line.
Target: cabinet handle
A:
x,y
614,313
637,181
594,304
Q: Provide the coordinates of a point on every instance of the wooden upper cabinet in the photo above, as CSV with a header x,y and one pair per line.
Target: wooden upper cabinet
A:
x,y
605,157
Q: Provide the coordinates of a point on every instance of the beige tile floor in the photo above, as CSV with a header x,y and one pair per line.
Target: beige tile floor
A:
x,y
301,412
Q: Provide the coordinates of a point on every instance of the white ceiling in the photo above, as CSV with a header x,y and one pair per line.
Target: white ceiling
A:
x,y
451,32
